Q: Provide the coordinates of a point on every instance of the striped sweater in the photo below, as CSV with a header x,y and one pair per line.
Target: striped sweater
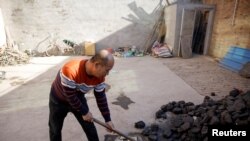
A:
x,y
72,82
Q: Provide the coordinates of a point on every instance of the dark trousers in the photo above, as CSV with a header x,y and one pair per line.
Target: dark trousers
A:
x,y
58,111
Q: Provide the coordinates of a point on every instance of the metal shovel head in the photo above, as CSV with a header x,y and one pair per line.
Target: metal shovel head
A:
x,y
136,137
124,139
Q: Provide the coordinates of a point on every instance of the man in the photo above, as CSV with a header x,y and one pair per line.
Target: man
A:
x,y
73,80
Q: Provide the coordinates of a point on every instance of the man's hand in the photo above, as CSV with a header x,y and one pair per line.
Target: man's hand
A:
x,y
88,117
110,125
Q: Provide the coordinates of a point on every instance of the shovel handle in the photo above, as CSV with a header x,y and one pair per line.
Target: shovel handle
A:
x,y
114,130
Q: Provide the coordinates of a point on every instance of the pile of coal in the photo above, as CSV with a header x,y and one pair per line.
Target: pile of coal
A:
x,y
186,121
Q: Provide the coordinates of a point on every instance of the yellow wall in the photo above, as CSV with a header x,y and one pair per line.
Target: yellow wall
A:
x,y
224,33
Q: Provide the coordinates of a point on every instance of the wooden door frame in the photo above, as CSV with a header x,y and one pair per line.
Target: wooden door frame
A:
x,y
208,36
181,28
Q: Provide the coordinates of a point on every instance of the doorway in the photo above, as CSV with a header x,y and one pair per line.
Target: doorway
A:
x,y
195,30
200,27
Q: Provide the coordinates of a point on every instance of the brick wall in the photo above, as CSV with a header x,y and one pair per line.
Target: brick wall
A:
x,y
226,31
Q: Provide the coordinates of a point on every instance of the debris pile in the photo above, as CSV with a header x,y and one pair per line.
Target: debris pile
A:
x,y
161,50
9,51
127,52
10,56
186,121
51,46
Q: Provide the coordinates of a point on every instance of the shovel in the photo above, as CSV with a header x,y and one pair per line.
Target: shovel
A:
x,y
113,130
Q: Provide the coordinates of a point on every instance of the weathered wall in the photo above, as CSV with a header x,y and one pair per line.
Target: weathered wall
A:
x,y
110,23
170,21
2,31
226,31
173,17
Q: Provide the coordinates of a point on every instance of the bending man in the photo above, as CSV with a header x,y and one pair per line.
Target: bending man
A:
x,y
74,80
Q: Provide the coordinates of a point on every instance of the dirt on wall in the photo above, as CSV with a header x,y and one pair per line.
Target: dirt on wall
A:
x,y
231,26
107,23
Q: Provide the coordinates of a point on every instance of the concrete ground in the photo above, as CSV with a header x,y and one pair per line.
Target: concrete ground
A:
x,y
138,86
204,74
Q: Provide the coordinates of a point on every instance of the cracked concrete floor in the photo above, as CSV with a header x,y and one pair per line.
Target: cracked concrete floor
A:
x,y
145,82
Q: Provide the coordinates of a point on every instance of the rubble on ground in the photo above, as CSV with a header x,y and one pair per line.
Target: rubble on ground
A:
x,y
10,56
53,47
161,50
127,52
186,121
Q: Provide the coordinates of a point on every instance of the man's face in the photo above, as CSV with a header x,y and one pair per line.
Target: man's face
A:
x,y
103,70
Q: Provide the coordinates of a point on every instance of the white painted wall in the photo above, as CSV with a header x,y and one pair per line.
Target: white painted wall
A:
x,y
2,31
110,23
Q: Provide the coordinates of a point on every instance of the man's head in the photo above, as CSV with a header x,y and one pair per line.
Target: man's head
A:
x,y
102,62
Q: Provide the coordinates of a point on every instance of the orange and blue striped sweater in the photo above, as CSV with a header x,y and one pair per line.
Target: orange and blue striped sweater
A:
x,y
73,82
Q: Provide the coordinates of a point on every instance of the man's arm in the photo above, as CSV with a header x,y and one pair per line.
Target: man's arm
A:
x,y
102,104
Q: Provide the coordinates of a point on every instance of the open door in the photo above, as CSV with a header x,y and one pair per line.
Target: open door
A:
x,y
186,33
200,27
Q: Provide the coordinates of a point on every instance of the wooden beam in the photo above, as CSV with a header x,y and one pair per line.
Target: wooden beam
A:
x,y
167,2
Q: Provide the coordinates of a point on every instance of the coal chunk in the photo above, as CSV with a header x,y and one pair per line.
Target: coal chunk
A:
x,y
154,127
185,127
177,121
226,118
239,105
214,120
167,133
187,118
146,131
191,113
164,108
140,125
190,108
189,104
234,92
243,115
204,130
235,115
195,130
213,94
160,114
210,113
153,137
241,122
177,110
246,98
